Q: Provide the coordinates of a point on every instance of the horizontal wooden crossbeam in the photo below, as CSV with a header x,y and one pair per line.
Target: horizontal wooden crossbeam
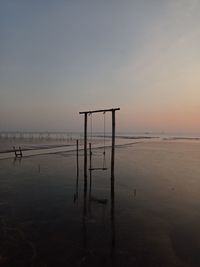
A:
x,y
97,169
100,110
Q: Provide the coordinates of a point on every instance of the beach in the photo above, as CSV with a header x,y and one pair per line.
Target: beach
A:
x,y
100,133
148,217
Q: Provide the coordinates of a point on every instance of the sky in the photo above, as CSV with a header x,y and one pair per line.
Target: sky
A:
x,y
61,57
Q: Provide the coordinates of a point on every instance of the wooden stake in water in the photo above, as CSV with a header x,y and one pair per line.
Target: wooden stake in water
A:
x,y
85,149
77,162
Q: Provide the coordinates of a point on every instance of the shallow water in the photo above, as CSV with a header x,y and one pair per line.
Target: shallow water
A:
x,y
152,219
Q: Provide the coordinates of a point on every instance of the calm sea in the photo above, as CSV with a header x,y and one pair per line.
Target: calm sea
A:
x,y
146,213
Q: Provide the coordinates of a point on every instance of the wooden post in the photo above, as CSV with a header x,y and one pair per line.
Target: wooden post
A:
x,y
113,144
90,151
85,149
112,188
85,185
77,163
77,173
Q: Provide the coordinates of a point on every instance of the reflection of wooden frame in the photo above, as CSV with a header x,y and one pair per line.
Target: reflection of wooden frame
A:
x,y
112,191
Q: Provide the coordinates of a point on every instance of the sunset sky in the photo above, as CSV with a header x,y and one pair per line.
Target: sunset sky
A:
x,y
61,57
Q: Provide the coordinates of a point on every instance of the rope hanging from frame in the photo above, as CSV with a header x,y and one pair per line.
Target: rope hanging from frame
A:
x,y
104,137
104,141
91,134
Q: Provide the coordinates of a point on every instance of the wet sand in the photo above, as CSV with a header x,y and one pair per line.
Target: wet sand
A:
x,y
49,218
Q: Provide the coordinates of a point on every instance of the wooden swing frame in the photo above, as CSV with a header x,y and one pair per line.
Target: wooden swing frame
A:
x,y
86,113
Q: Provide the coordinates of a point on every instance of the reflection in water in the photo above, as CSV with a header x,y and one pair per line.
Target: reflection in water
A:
x,y
90,169
134,194
41,226
84,226
17,160
76,188
77,172
112,210
88,198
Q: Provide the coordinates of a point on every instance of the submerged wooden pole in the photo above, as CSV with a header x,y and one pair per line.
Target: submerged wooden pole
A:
x,y
85,147
77,172
113,144
90,151
77,162
112,185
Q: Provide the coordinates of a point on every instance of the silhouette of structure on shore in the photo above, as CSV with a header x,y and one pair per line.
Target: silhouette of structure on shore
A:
x,y
86,113
18,152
